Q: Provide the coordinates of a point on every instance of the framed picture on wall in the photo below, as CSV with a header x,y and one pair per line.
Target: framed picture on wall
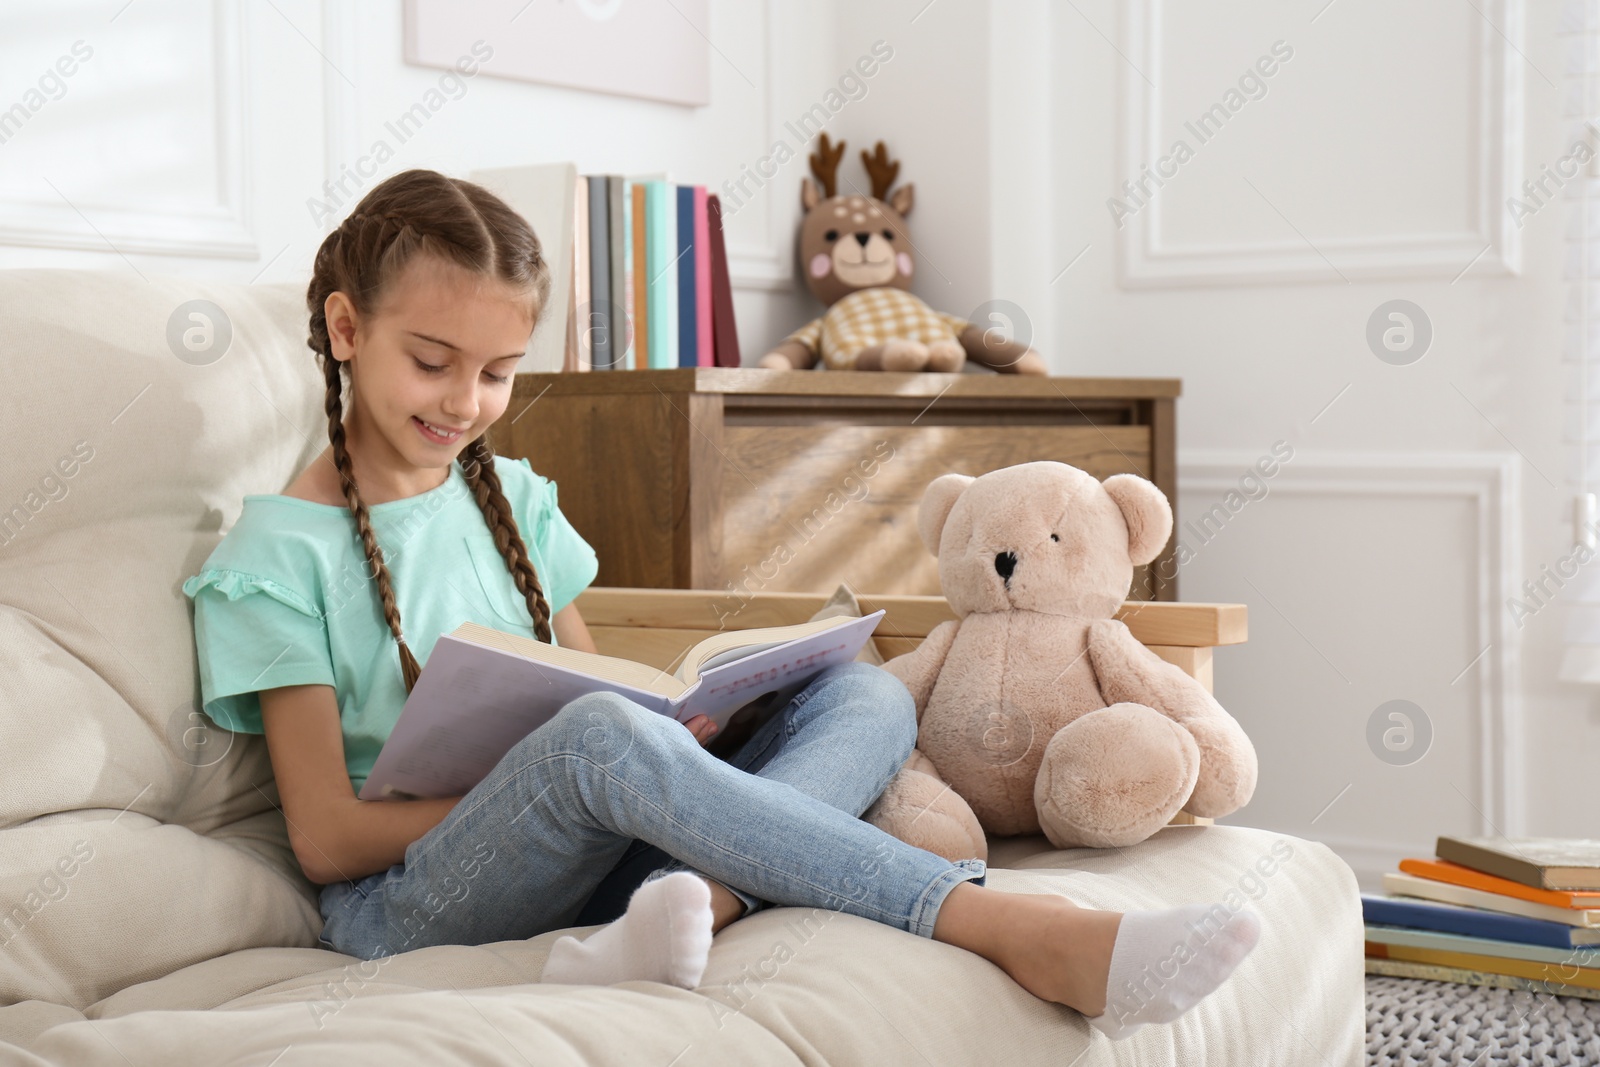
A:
x,y
642,48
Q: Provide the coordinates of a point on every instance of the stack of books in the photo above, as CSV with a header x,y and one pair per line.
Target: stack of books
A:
x,y
649,277
1514,913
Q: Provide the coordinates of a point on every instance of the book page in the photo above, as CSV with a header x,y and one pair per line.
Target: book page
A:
x,y
786,666
730,645
736,653
612,668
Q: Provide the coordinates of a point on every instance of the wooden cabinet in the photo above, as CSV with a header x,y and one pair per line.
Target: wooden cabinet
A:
x,y
748,480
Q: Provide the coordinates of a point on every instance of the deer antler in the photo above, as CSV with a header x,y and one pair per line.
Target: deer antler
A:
x,y
881,169
825,165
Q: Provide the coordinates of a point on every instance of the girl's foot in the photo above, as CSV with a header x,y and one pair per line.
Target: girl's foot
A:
x,y
664,936
1165,962
1127,970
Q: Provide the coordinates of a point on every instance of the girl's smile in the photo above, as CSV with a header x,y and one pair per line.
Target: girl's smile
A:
x,y
436,434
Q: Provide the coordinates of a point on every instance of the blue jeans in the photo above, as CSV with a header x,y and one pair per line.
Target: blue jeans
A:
x,y
574,805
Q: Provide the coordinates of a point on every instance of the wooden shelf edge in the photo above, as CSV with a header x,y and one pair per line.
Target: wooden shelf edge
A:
x,y
1179,623
833,383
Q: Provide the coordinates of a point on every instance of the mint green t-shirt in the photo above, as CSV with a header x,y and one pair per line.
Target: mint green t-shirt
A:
x,y
286,597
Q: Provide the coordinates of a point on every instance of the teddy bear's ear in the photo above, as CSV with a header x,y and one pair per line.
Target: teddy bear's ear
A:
x,y
1147,512
937,501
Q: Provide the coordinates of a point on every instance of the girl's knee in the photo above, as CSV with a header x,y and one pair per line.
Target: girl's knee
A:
x,y
888,690
899,710
883,700
602,727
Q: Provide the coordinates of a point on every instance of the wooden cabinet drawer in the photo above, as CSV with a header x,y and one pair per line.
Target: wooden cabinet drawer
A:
x,y
749,480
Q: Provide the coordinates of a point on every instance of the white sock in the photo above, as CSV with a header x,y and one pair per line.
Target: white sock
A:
x,y
1165,962
664,936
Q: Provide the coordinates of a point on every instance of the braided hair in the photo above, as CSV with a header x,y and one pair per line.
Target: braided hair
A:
x,y
423,211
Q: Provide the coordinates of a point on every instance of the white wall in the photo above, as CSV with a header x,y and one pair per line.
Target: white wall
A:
x,y
197,135
1374,167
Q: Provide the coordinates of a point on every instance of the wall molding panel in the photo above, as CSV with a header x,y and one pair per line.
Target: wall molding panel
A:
x,y
1491,246
1490,483
766,266
224,230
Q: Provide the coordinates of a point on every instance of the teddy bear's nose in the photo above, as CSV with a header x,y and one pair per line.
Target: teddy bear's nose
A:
x,y
1005,563
863,238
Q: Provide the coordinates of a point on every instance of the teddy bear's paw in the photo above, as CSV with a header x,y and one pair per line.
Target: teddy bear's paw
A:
x,y
1030,362
924,812
1227,768
946,357
1114,777
903,354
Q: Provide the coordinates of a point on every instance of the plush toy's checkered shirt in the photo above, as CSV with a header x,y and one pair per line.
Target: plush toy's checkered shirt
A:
x,y
868,316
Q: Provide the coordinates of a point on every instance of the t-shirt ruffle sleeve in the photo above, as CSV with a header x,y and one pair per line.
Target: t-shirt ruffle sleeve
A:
x,y
253,633
569,564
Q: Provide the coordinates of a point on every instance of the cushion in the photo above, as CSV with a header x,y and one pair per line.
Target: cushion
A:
x,y
145,840
785,986
843,604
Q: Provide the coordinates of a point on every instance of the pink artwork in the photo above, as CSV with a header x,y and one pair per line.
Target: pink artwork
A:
x,y
643,48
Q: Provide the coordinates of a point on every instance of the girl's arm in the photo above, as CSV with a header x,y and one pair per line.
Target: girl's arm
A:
x,y
571,631
334,835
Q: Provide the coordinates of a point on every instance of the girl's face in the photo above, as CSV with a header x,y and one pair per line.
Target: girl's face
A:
x,y
431,366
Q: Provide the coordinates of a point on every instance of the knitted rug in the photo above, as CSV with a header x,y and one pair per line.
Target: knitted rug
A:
x,y
1417,1023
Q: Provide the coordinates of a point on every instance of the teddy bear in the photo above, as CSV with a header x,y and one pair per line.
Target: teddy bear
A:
x,y
1037,709
858,261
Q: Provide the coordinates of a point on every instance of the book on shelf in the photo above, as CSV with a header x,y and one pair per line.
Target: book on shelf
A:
x,y
1435,973
599,321
1444,892
582,358
1456,874
1473,922
569,357
637,305
724,333
1540,862
688,305
482,690
661,244
615,308
629,341
702,278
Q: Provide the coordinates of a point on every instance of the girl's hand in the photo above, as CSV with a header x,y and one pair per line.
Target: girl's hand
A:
x,y
702,728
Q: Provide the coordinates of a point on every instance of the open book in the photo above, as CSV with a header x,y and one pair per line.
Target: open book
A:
x,y
482,691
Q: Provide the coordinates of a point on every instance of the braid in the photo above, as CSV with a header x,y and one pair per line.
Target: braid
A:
x,y
424,211
409,668
497,513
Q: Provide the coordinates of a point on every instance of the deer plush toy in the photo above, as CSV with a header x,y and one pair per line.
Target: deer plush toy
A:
x,y
1036,708
858,261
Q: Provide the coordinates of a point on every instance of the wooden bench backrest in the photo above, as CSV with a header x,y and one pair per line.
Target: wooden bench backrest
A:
x,y
655,626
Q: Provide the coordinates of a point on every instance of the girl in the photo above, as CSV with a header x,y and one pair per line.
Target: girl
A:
x,y
315,612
